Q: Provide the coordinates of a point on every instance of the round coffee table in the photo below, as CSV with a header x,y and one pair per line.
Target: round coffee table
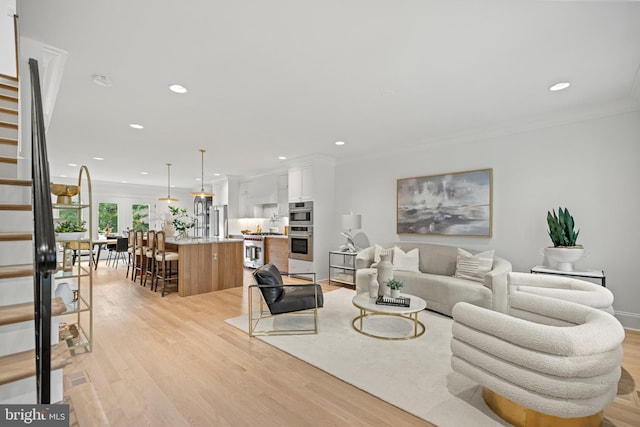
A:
x,y
368,307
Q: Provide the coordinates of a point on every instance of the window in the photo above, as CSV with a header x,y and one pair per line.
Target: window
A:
x,y
140,217
107,217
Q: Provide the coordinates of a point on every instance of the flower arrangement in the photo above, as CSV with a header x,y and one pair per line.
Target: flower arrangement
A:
x,y
182,221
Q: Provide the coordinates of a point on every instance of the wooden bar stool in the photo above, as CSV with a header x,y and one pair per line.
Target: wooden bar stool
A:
x,y
150,255
139,256
131,238
166,264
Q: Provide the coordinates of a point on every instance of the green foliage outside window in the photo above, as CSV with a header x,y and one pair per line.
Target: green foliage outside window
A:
x,y
140,217
107,217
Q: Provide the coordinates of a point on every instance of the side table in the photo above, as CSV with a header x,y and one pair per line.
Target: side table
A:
x,y
591,274
342,267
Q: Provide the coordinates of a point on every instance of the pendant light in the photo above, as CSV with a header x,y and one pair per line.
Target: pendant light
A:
x,y
202,194
168,199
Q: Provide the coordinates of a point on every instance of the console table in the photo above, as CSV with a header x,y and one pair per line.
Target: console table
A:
x,y
591,274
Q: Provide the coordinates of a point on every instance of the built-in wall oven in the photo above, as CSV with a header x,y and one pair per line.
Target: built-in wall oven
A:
x,y
300,213
301,242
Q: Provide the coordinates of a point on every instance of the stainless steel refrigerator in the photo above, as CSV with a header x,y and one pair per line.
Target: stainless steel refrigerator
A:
x,y
219,221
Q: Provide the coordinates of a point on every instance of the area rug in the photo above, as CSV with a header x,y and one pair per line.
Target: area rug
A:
x,y
414,375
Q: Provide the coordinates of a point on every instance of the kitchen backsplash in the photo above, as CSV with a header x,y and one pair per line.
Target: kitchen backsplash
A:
x,y
238,224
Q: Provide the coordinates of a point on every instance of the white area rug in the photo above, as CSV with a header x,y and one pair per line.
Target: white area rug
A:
x,y
414,375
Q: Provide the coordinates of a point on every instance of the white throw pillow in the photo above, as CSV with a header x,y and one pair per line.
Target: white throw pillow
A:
x,y
379,250
406,261
474,267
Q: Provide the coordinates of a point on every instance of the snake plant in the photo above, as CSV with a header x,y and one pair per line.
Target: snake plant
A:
x,y
561,228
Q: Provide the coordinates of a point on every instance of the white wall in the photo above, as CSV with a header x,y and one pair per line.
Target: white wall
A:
x,y
7,38
591,167
125,195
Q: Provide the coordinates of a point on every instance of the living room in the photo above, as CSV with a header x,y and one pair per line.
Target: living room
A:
x,y
573,149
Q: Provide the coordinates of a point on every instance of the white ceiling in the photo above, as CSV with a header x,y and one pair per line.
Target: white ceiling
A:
x,y
291,77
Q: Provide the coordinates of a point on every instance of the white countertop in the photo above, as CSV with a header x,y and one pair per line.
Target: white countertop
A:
x,y
201,241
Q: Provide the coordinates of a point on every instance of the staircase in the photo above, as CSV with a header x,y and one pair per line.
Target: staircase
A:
x,y
17,336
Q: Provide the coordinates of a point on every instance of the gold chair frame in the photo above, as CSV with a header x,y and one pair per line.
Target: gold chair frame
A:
x,y
264,313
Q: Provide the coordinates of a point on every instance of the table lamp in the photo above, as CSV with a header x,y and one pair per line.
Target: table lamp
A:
x,y
350,222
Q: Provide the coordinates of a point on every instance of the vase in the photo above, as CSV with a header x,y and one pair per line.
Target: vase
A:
x,y
373,285
385,273
395,293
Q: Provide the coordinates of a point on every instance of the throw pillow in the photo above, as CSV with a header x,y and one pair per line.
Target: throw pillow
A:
x,y
474,267
406,261
379,250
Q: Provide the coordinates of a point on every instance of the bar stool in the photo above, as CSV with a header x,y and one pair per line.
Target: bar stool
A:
x,y
150,255
139,256
131,242
166,264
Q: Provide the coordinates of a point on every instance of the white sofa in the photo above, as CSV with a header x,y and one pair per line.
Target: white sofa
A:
x,y
435,282
553,357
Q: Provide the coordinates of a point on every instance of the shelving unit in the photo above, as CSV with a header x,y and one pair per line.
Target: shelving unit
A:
x,y
342,267
79,278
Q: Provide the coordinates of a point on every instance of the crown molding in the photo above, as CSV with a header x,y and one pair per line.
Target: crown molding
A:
x,y
622,107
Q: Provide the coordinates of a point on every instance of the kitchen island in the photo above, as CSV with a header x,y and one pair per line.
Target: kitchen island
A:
x,y
207,264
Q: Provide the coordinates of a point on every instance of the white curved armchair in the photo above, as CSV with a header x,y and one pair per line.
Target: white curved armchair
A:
x,y
563,288
565,363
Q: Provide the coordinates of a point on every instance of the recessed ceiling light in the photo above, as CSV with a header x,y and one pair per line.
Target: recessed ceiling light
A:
x,y
282,158
197,179
124,182
144,173
339,142
73,165
177,88
559,86
98,158
136,126
216,174
63,176
101,80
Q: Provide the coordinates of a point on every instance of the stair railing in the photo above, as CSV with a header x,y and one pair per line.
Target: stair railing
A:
x,y
44,240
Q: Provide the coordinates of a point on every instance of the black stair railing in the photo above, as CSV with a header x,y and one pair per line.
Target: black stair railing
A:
x,y
44,240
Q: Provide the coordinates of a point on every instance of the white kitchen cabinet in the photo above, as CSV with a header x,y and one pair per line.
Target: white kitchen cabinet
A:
x,y
301,184
283,194
221,191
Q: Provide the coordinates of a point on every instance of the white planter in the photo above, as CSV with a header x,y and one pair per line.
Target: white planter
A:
x,y
395,293
77,235
563,258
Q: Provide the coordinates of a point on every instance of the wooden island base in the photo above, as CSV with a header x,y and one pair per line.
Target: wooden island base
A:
x,y
207,265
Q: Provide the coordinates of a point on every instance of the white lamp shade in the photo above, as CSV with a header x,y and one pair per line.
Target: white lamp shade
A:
x,y
351,222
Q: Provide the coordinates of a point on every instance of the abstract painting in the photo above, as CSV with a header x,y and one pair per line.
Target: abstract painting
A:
x,y
453,204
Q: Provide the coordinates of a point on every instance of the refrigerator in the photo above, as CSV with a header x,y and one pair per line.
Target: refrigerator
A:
x,y
219,221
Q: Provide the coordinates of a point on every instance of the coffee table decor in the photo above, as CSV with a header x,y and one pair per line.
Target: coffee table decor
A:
x,y
400,301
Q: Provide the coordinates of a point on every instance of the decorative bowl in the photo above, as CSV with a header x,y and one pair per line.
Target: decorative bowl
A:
x,y
64,193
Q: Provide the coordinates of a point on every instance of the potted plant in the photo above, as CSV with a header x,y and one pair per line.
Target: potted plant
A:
x,y
70,230
565,251
182,221
395,286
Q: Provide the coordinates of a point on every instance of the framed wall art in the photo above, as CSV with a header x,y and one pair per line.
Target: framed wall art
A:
x,y
453,204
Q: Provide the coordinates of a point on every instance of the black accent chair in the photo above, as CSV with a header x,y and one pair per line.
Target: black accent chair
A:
x,y
283,298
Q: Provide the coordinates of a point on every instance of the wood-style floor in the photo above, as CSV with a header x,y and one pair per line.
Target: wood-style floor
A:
x,y
173,361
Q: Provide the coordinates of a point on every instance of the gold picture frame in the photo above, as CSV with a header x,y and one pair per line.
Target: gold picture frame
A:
x,y
451,204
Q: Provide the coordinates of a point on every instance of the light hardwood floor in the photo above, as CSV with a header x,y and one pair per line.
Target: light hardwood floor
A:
x,y
173,361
